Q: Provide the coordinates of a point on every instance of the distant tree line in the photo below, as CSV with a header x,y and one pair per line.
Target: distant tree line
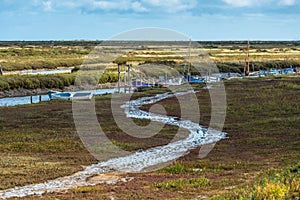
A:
x,y
211,44
51,43
243,43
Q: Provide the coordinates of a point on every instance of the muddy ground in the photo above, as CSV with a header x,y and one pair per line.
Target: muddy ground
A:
x,y
263,133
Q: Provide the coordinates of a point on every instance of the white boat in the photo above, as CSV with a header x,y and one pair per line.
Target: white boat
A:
x,y
70,95
60,95
82,95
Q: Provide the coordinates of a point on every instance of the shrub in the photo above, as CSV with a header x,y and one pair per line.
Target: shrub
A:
x,y
4,85
179,184
34,82
175,169
271,191
271,185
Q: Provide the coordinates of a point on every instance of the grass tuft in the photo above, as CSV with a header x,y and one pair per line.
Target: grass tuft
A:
x,y
181,183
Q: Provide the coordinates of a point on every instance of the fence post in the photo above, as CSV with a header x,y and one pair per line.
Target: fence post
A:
x,y
1,70
119,78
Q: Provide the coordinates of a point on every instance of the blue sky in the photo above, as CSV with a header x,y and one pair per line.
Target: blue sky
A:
x,y
101,19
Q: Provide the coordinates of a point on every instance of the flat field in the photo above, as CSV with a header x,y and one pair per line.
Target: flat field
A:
x,y
259,159
15,56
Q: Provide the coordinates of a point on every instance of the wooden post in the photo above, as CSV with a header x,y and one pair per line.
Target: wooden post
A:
x,y
31,99
129,78
166,78
124,78
40,98
119,78
141,79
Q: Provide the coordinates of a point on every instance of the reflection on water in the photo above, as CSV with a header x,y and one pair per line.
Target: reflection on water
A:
x,y
13,101
46,72
39,72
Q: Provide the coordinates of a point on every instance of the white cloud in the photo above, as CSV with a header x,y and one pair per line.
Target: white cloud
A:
x,y
243,3
107,5
91,5
164,6
117,5
172,5
138,7
247,3
47,5
287,2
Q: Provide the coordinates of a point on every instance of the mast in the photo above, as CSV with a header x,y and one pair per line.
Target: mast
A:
x,y
187,65
189,56
247,62
248,57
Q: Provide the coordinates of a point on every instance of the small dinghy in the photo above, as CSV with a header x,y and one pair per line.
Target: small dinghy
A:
x,y
82,95
70,95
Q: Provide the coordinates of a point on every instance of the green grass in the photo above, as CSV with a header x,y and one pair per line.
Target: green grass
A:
x,y
261,151
272,184
263,128
228,59
37,57
176,168
38,143
287,85
183,184
60,81
35,82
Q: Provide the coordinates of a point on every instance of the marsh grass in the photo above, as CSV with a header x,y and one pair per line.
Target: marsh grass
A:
x,y
289,85
263,133
176,168
263,130
183,184
272,184
41,57
38,143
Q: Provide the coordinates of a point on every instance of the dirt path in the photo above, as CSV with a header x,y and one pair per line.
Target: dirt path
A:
x,y
135,162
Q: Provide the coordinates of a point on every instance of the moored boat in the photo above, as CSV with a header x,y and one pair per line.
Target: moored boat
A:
x,y
60,95
70,95
82,95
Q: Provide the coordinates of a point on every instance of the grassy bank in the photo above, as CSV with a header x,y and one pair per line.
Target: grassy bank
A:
x,y
36,81
14,58
60,81
260,157
228,56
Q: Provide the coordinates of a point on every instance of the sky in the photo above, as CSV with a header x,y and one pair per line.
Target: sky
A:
x,y
103,19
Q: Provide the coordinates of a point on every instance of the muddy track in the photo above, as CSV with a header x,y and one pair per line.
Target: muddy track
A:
x,y
135,162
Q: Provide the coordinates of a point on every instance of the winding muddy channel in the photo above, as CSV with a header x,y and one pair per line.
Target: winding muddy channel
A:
x,y
134,162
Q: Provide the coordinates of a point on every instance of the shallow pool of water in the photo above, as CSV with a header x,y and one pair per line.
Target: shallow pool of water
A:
x,y
14,101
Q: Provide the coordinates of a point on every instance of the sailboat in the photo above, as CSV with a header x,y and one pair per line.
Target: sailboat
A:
x,y
187,67
247,62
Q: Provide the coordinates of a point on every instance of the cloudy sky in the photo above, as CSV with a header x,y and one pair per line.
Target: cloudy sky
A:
x,y
102,19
